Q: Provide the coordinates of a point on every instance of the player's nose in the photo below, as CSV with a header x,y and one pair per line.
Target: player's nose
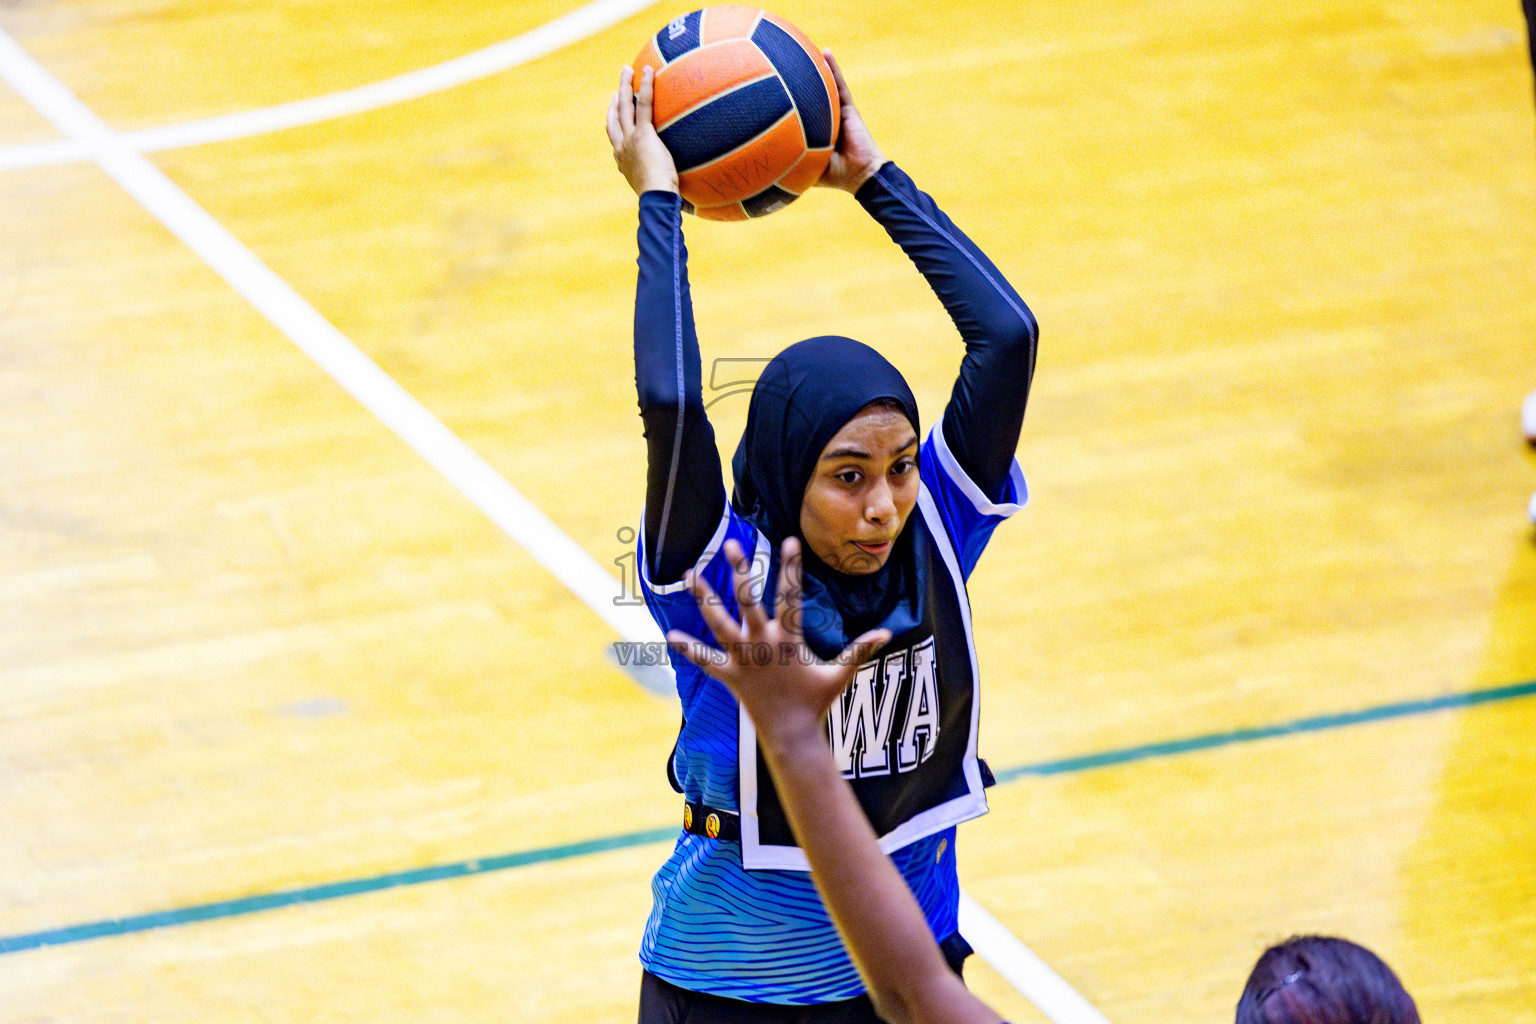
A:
x,y
880,505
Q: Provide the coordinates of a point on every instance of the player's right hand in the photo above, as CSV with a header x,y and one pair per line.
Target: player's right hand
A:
x,y
642,157
856,157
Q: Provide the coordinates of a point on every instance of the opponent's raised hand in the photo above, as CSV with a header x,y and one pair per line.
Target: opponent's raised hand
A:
x,y
764,660
642,157
856,158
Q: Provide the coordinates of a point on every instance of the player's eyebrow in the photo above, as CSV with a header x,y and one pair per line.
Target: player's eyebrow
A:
x,y
854,452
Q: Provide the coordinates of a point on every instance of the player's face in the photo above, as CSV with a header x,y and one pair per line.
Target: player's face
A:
x,y
862,491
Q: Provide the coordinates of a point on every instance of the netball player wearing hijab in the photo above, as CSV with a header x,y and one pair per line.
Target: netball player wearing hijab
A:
x,y
892,522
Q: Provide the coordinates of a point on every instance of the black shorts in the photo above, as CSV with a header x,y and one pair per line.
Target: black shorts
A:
x,y
662,1002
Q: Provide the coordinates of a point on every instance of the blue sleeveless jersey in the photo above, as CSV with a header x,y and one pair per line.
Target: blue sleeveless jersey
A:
x,y
743,920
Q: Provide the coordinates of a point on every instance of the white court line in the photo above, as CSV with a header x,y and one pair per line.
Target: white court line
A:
x,y
275,299
535,43
1022,969
381,395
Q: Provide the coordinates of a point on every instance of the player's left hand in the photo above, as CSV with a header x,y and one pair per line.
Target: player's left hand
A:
x,y
856,158
643,158
785,688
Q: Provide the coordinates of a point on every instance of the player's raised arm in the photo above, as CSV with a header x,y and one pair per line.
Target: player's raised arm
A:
x,y
787,698
685,492
986,408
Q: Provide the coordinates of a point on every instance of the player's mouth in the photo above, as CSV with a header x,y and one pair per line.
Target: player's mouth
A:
x,y
883,547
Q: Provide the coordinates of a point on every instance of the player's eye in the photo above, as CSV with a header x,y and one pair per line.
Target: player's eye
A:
x,y
904,467
849,477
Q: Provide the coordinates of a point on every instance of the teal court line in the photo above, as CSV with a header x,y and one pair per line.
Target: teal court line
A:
x,y
464,869
1319,723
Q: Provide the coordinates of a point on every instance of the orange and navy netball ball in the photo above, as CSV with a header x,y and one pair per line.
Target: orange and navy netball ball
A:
x,y
747,106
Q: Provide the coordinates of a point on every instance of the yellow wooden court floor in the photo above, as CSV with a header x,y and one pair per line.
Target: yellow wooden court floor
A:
x,y
319,463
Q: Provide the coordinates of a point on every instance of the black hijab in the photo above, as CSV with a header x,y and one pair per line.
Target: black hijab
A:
x,y
803,397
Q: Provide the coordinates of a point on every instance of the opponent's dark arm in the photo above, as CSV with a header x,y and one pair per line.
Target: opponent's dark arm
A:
x,y
684,488
986,408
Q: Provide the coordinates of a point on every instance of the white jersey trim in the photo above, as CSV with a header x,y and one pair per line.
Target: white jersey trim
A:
x,y
710,551
930,512
985,505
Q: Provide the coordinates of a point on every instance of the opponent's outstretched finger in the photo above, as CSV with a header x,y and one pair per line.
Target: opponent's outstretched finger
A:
x,y
754,618
711,660
863,649
726,630
791,588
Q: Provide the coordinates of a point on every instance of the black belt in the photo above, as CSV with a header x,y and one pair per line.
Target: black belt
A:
x,y
711,822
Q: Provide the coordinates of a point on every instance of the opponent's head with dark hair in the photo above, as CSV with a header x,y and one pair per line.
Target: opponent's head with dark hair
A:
x,y
1311,979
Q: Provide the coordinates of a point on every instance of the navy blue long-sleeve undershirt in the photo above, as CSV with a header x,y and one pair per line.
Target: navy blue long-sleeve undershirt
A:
x,y
685,490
